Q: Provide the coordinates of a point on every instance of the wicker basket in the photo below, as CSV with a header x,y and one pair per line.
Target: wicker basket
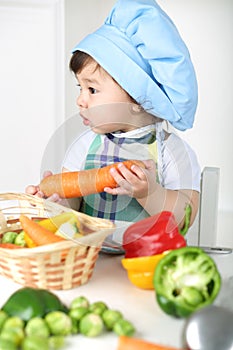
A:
x,y
59,266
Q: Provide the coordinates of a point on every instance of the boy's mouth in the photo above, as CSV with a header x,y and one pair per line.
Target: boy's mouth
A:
x,y
85,120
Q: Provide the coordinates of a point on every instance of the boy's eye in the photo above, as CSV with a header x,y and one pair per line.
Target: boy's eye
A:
x,y
79,86
92,90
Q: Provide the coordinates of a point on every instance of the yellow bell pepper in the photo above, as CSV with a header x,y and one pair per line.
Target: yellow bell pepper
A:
x,y
54,222
141,270
29,241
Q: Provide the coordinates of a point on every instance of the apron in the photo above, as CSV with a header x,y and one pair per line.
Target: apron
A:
x,y
111,148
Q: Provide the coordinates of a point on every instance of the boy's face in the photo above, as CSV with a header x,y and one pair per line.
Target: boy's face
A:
x,y
104,105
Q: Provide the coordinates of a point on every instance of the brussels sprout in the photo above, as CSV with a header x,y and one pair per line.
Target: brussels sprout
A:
x,y
19,240
123,327
110,317
75,326
9,237
78,312
76,315
91,325
37,326
59,323
15,335
79,301
6,344
98,307
3,318
13,322
56,342
34,342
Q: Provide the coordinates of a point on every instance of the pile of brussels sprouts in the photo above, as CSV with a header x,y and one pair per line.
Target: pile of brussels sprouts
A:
x,y
13,237
49,332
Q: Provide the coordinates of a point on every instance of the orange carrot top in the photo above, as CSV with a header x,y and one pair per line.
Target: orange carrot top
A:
x,y
10,246
130,343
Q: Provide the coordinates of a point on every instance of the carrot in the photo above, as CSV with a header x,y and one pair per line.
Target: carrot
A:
x,y
10,246
38,234
129,343
84,182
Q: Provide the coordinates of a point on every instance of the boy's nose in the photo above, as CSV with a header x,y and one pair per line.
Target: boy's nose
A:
x,y
81,101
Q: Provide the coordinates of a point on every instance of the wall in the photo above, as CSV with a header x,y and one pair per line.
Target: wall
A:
x,y
81,18
31,87
207,29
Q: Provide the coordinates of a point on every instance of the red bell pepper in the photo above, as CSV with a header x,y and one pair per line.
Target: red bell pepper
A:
x,y
153,235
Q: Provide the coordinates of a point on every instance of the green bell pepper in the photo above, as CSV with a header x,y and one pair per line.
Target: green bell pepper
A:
x,y
31,302
187,219
185,280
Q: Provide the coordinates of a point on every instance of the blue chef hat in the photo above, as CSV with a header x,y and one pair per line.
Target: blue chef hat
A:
x,y
139,46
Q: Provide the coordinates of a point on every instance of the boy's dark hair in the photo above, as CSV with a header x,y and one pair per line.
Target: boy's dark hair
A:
x,y
79,60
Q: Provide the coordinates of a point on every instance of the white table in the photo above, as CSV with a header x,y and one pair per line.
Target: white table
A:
x,y
110,284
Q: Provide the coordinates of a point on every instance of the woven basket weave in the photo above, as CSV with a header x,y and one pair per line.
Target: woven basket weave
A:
x,y
60,266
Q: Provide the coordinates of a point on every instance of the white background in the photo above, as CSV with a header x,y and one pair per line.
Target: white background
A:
x,y
38,92
31,87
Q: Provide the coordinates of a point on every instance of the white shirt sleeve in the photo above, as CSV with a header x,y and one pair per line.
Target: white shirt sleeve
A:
x,y
180,168
75,156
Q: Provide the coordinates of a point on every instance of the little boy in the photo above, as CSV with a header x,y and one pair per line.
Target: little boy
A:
x,y
135,74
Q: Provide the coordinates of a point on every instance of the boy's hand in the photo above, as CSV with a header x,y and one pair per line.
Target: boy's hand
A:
x,y
136,182
35,191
